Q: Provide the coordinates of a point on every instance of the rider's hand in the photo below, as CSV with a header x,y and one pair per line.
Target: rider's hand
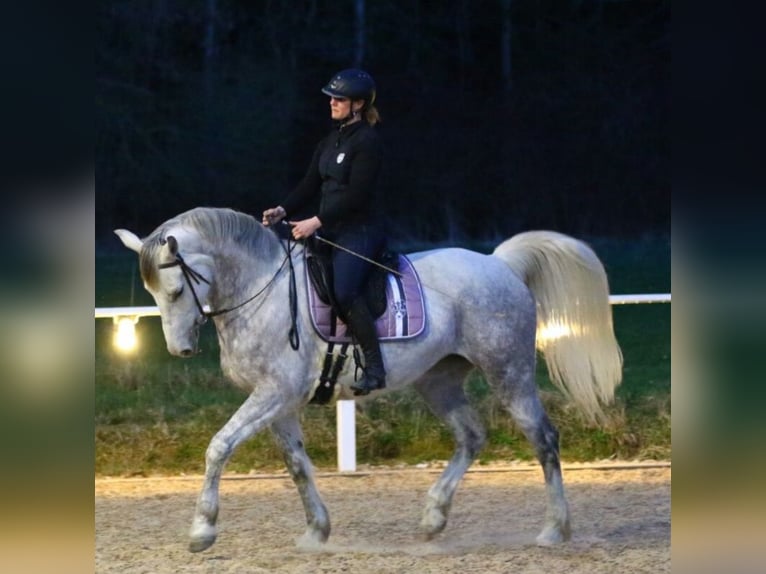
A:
x,y
305,227
273,215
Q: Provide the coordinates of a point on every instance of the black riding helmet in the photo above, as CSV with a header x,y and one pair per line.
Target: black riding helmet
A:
x,y
353,84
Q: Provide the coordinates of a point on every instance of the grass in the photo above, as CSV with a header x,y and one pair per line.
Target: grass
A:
x,y
155,414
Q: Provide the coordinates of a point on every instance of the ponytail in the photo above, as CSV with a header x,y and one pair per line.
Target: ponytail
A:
x,y
371,115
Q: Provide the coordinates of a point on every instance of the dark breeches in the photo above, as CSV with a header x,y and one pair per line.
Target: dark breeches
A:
x,y
351,272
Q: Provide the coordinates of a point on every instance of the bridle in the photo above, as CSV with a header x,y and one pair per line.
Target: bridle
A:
x,y
193,278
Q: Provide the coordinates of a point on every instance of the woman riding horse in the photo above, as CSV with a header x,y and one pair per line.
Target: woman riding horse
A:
x,y
344,173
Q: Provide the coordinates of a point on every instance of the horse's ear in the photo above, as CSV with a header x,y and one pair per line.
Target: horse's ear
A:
x,y
129,239
172,244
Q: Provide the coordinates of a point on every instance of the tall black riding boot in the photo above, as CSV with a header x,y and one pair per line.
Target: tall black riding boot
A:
x,y
362,326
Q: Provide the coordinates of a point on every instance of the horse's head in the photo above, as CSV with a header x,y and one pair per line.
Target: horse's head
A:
x,y
179,279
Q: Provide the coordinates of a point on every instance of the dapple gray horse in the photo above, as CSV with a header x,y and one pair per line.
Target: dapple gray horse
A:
x,y
490,312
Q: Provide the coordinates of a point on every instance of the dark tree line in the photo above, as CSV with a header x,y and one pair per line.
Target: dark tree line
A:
x,y
498,116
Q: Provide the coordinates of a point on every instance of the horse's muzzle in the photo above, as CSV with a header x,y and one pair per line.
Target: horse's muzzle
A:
x,y
194,348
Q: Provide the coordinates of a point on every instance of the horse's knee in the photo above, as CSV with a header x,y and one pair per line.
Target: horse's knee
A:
x,y
543,436
469,433
296,461
478,440
472,443
218,451
551,433
548,442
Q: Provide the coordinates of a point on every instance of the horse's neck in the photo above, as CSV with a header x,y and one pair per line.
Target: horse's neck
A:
x,y
241,272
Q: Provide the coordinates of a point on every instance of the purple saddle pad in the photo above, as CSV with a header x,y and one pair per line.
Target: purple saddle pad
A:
x,y
404,317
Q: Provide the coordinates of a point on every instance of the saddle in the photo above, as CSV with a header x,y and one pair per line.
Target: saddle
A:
x,y
393,293
394,297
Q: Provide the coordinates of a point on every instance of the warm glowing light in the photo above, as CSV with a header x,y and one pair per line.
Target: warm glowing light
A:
x,y
125,333
550,332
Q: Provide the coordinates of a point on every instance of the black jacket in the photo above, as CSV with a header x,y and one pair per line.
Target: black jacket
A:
x,y
344,171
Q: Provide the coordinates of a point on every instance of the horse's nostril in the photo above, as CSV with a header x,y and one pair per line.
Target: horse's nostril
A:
x,y
187,353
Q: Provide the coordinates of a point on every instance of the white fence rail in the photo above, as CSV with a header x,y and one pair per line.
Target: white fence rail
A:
x,y
345,410
106,312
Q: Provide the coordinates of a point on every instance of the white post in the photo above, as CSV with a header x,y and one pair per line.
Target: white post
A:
x,y
346,429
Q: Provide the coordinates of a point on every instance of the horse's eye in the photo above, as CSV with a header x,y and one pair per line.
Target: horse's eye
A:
x,y
177,293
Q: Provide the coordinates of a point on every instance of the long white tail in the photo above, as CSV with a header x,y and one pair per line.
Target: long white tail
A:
x,y
574,318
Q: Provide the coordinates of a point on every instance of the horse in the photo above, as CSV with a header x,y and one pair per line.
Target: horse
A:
x,y
484,311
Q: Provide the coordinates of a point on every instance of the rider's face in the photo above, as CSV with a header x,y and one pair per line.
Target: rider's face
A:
x,y
340,108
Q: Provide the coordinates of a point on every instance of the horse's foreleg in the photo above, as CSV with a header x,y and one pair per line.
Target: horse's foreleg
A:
x,y
442,390
254,414
289,436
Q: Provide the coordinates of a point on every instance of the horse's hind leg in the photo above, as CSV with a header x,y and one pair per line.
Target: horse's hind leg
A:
x,y
519,395
442,389
543,435
289,436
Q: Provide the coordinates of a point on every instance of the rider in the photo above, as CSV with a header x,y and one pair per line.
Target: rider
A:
x,y
344,173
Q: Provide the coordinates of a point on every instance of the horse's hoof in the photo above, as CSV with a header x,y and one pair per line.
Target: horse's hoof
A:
x,y
203,539
201,544
312,539
427,536
433,523
552,535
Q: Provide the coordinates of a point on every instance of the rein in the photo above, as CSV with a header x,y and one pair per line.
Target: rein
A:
x,y
373,262
194,277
